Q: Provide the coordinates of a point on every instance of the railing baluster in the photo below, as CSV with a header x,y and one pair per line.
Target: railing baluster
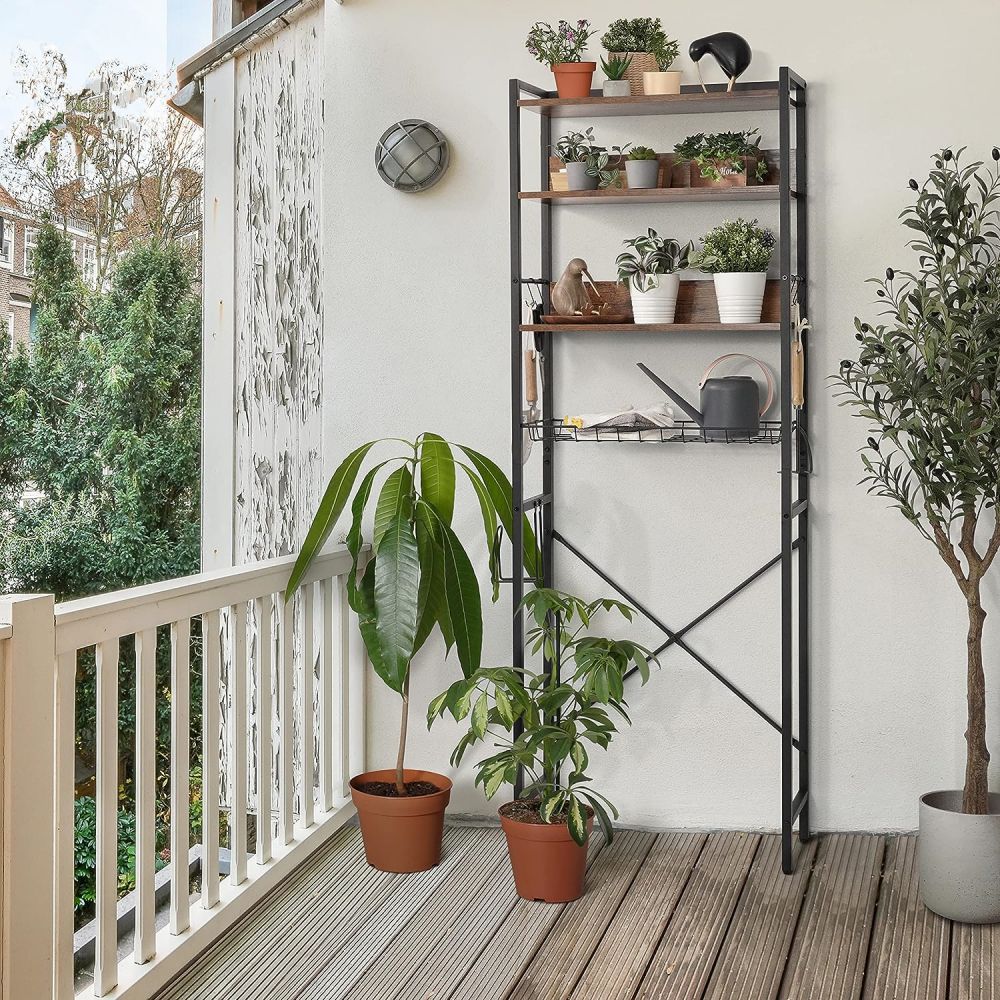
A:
x,y
106,952
306,687
180,763
238,748
326,708
344,673
210,760
145,795
65,806
265,658
286,776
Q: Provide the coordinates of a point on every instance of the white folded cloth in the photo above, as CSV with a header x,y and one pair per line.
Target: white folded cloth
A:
x,y
631,418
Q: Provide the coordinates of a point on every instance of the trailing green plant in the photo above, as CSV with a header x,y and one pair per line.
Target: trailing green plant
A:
x,y
417,578
559,710
642,153
616,67
641,34
737,245
927,381
582,147
647,257
565,43
723,153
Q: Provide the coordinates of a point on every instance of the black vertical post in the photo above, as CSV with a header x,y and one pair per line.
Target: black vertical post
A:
x,y
785,266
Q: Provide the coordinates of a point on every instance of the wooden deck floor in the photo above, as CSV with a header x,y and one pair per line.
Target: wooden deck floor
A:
x,y
674,916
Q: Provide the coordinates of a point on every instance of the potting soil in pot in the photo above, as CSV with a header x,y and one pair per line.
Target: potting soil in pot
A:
x,y
388,788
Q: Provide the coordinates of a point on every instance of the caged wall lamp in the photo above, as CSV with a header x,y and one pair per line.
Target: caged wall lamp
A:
x,y
412,155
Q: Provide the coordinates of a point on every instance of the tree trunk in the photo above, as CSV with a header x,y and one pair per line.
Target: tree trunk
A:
x,y
400,783
976,796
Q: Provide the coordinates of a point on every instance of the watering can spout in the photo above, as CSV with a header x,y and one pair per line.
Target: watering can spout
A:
x,y
693,413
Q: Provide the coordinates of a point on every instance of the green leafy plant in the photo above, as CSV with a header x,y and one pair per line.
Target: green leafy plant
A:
x,y
738,245
565,43
419,577
642,153
560,711
722,153
647,257
582,147
927,381
641,34
616,67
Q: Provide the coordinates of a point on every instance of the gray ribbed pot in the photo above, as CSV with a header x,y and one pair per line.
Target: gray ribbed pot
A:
x,y
960,859
578,178
642,173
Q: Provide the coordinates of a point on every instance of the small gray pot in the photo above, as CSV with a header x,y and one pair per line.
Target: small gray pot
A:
x,y
578,178
959,859
642,173
617,88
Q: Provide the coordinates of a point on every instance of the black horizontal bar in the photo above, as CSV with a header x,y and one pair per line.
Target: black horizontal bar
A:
x,y
532,281
799,507
539,500
530,88
798,803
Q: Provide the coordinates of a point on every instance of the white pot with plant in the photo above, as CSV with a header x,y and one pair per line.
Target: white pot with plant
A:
x,y
650,266
588,165
617,83
737,254
650,52
927,379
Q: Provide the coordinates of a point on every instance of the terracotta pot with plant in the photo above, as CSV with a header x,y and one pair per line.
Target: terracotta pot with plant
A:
x,y
544,723
927,380
650,52
561,49
416,578
737,254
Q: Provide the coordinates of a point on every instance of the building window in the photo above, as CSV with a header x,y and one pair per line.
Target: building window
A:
x,y
89,265
30,243
7,245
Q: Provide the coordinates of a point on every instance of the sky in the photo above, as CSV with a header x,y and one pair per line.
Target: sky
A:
x,y
159,33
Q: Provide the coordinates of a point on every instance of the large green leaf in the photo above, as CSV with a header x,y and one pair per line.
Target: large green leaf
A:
x,y
397,584
330,508
433,603
395,501
465,609
362,600
489,526
437,475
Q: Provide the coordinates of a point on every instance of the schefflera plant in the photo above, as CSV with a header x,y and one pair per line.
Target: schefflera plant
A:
x,y
417,576
544,720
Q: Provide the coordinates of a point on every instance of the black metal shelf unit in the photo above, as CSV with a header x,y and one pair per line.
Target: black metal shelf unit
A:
x,y
790,433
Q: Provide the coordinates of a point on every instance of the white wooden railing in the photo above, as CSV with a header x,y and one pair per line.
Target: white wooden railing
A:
x,y
293,679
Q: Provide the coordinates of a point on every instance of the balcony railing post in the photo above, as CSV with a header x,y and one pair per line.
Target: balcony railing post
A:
x,y
28,689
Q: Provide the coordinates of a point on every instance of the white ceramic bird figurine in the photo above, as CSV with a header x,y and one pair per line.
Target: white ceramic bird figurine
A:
x,y
569,296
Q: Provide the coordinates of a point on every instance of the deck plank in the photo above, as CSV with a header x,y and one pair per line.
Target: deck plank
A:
x,y
975,962
831,944
754,954
908,958
682,963
618,963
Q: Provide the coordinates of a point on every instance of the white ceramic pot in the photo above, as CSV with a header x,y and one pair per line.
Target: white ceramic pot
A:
x,y
617,88
668,82
740,296
658,303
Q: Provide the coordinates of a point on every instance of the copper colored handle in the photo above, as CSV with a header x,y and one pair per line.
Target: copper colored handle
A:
x,y
798,375
530,378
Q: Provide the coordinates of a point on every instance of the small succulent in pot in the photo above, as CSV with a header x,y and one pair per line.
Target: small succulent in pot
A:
x,y
724,158
588,165
643,167
615,68
737,254
561,49
653,53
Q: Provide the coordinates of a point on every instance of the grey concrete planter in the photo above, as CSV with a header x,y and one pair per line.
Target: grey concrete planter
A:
x,y
617,88
578,178
642,173
960,859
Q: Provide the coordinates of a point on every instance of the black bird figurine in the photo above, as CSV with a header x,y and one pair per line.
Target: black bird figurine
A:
x,y
732,52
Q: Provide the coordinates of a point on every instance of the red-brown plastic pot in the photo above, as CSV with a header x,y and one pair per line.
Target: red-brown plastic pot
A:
x,y
402,834
549,865
574,79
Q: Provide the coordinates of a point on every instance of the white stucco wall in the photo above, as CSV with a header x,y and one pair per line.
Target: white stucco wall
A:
x,y
417,319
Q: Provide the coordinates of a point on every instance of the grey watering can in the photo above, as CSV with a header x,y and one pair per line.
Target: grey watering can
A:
x,y
730,406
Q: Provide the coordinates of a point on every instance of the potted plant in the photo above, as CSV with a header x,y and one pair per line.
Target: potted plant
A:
x,y
588,165
927,379
416,579
616,84
737,254
544,723
650,266
650,51
561,49
642,167
723,159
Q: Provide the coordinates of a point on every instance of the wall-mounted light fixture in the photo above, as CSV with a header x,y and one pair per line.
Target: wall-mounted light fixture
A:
x,y
412,155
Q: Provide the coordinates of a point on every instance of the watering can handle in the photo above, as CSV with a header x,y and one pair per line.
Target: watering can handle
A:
x,y
760,364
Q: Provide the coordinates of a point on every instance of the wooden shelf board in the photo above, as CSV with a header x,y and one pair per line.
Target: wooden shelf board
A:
x,y
690,102
707,327
649,196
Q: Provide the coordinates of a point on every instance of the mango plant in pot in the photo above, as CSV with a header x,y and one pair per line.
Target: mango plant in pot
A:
x,y
561,49
737,254
416,579
650,265
927,380
561,712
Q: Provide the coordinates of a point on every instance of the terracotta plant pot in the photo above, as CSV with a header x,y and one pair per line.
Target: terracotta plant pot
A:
x,y
574,79
402,834
549,866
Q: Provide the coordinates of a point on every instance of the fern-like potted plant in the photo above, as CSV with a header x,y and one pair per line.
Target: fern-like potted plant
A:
x,y
562,712
415,579
737,254
588,165
561,49
642,167
650,52
927,381
650,265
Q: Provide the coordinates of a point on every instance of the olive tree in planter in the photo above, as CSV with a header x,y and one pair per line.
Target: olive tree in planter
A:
x,y
927,379
416,579
561,712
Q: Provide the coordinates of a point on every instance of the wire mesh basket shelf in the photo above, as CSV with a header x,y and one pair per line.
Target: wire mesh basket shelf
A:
x,y
682,432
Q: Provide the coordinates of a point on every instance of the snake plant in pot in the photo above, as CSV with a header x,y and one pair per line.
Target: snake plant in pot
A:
x,y
415,579
927,380
543,722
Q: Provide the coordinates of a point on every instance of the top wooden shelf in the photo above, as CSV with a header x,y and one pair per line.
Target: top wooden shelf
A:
x,y
689,102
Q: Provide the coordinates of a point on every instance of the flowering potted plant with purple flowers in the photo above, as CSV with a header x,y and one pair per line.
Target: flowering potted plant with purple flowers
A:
x,y
561,49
